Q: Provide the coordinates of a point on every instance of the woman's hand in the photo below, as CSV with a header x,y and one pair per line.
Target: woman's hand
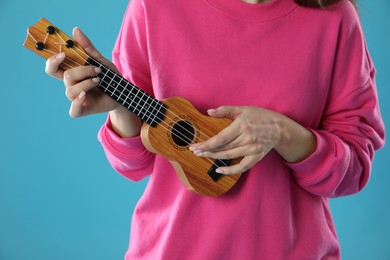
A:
x,y
252,134
81,82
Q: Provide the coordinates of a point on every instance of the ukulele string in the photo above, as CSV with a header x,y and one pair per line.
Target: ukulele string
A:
x,y
29,34
125,102
44,41
181,134
50,51
112,92
53,52
100,64
86,61
113,78
152,101
158,111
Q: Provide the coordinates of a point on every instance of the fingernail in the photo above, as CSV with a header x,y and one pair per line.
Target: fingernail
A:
x,y
82,94
198,153
98,70
60,56
193,147
76,28
210,111
218,170
96,80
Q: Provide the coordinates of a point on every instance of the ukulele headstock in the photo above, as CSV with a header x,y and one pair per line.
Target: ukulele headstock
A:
x,y
46,40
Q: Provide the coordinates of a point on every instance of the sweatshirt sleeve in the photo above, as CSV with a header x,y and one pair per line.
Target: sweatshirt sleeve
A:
x,y
351,128
128,156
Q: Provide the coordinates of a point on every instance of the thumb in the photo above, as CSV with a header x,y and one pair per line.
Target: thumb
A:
x,y
230,112
87,45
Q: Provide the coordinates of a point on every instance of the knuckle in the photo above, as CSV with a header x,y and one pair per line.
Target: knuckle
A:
x,y
258,148
50,67
249,124
47,67
69,94
67,75
220,140
257,140
222,108
244,168
93,71
71,114
228,155
252,139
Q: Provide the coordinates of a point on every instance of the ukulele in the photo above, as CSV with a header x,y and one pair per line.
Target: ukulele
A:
x,y
169,126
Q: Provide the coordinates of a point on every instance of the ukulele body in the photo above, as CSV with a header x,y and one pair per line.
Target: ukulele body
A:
x,y
167,138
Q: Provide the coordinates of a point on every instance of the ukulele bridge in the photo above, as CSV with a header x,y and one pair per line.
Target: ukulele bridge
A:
x,y
217,163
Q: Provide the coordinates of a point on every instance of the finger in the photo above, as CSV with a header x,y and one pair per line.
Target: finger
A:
x,y
241,140
53,66
76,109
232,153
74,91
245,164
75,75
87,45
230,112
225,136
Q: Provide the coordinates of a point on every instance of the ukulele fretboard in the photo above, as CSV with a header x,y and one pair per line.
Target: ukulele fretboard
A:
x,y
147,108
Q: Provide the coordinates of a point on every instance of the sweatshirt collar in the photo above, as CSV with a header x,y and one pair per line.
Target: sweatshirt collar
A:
x,y
254,12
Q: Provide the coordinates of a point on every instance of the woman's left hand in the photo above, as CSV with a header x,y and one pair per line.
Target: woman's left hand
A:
x,y
253,133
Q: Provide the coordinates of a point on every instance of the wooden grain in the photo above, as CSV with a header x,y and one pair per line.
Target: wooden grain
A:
x,y
191,169
54,44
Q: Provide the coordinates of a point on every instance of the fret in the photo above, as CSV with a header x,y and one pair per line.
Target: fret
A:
x,y
128,96
134,99
151,109
144,99
116,84
141,103
114,88
110,84
119,97
161,110
147,108
106,77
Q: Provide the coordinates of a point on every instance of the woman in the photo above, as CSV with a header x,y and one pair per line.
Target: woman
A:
x,y
298,82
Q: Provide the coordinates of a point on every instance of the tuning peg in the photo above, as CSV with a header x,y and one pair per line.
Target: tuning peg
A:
x,y
39,46
69,43
50,29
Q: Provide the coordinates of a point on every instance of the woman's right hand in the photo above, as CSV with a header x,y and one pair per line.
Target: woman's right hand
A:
x,y
80,83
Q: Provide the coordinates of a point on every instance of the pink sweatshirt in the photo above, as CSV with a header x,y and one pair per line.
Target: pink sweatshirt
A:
x,y
309,64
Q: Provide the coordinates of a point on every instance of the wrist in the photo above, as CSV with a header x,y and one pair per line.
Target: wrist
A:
x,y
296,143
124,123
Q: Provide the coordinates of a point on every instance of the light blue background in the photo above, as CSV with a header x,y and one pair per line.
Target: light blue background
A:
x,y
59,198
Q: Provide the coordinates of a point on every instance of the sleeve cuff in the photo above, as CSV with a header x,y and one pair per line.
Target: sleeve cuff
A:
x,y
119,146
323,157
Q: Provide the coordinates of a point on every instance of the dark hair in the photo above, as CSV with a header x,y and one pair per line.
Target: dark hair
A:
x,y
319,3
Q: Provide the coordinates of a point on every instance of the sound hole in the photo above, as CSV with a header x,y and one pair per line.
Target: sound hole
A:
x,y
183,133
